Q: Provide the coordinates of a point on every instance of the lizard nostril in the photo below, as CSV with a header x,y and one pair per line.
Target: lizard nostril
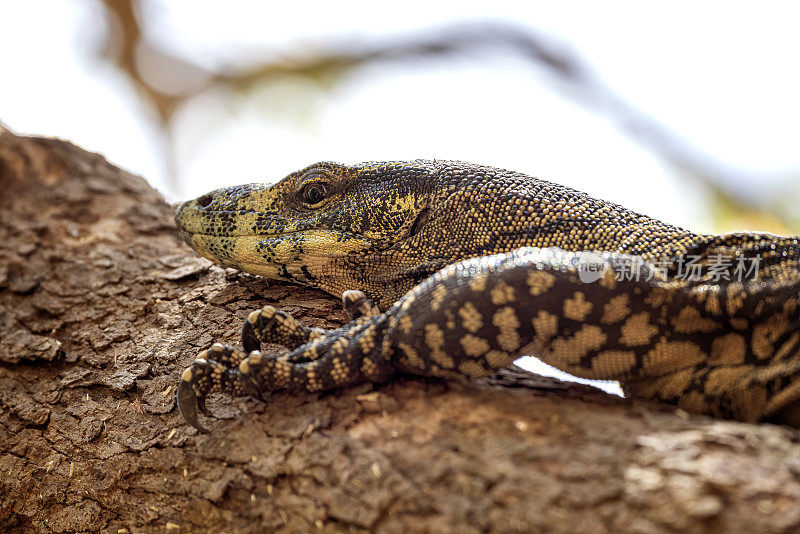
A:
x,y
205,200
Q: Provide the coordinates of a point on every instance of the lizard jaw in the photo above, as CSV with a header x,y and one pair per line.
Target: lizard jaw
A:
x,y
308,257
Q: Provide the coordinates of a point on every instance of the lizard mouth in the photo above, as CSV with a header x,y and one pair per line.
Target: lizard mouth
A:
x,y
297,255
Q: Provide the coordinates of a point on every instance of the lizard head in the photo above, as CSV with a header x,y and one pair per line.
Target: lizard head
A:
x,y
306,226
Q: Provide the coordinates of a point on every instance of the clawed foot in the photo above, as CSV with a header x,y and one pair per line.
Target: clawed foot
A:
x,y
215,369
319,359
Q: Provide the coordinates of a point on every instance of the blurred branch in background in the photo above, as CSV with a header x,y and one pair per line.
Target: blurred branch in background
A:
x,y
166,82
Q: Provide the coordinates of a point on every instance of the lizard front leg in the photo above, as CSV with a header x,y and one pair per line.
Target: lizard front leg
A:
x,y
340,357
337,358
216,369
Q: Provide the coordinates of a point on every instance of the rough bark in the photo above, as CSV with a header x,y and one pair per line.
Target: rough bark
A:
x,y
102,306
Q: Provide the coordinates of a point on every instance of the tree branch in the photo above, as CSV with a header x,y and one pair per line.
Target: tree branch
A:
x,y
102,306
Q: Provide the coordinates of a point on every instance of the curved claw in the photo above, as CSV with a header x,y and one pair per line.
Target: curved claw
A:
x,y
249,340
188,402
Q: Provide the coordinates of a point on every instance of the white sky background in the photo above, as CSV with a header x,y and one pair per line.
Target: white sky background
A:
x,y
723,76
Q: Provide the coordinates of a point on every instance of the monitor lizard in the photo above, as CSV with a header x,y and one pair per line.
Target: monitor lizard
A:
x,y
476,266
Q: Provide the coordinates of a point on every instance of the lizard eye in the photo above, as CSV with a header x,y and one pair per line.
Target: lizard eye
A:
x,y
314,193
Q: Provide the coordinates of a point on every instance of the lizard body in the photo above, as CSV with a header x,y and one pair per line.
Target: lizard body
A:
x,y
476,266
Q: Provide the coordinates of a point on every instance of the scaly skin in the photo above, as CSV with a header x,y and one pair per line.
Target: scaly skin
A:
x,y
403,232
